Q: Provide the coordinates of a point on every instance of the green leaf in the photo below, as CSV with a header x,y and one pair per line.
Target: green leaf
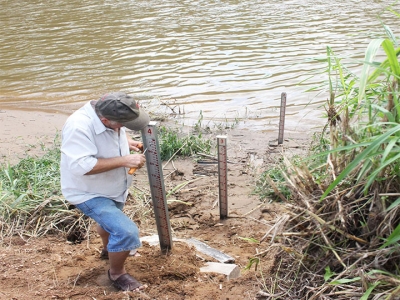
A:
x,y
369,291
253,260
360,158
179,201
370,53
387,113
391,54
394,12
345,280
372,176
390,149
372,272
393,238
328,273
251,240
390,34
394,204
381,68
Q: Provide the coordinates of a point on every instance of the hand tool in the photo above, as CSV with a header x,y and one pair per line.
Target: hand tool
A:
x,y
133,170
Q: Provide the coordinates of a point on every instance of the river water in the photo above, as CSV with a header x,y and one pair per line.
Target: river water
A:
x,y
218,61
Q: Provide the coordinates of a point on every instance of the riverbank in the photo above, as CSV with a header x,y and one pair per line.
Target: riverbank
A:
x,y
24,131
34,270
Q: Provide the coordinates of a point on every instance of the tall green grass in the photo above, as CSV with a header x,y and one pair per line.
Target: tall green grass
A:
x,y
175,142
347,192
31,203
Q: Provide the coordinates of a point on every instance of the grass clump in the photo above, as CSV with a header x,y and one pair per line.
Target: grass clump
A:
x,y
31,202
174,142
342,230
272,184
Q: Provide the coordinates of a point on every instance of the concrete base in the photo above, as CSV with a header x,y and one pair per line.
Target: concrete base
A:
x,y
230,270
153,240
207,250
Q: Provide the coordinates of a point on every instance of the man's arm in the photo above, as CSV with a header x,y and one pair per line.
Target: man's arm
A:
x,y
106,164
129,161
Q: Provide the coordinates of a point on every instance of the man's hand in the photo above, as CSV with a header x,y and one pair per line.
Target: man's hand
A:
x,y
132,161
134,145
135,161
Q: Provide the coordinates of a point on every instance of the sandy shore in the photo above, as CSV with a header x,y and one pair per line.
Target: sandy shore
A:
x,y
21,131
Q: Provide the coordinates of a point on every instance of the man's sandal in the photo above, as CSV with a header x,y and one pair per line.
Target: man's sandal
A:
x,y
104,254
126,282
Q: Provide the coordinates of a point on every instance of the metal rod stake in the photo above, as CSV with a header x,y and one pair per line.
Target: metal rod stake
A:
x,y
222,176
282,119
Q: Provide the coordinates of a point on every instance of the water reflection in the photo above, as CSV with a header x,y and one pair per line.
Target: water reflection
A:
x,y
227,59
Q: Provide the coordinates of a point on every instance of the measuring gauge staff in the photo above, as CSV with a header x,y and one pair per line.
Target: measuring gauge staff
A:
x,y
282,118
222,176
157,188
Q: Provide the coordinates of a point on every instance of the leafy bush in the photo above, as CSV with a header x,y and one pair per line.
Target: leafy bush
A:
x,y
342,229
173,142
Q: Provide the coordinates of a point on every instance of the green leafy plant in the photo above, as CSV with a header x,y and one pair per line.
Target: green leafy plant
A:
x,y
253,261
31,202
343,198
30,198
270,183
174,142
250,240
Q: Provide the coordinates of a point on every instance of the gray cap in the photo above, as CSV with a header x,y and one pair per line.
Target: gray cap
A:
x,y
122,108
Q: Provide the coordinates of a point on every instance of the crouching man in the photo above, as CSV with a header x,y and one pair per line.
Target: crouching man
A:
x,y
95,159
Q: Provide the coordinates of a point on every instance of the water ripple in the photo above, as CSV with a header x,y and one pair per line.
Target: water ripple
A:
x,y
226,59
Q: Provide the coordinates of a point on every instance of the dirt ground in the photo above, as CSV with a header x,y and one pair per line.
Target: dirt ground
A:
x,y
52,268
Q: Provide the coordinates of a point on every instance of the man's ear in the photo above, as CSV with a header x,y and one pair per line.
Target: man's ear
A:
x,y
104,120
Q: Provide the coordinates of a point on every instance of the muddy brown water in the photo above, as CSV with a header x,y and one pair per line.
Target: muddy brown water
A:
x,y
216,61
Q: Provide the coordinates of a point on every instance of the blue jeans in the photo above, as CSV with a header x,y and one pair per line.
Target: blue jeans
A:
x,y
124,234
